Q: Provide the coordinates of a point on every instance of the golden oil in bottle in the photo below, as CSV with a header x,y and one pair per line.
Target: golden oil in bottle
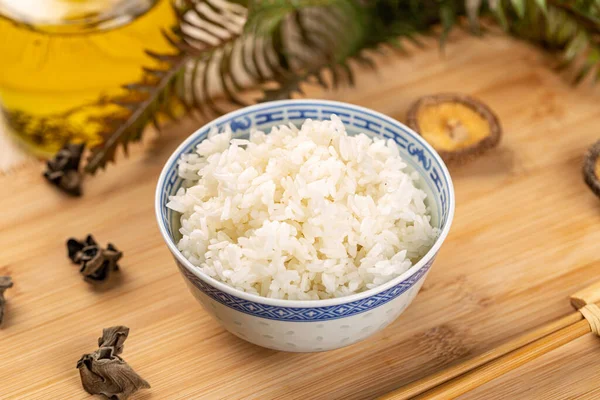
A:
x,y
62,60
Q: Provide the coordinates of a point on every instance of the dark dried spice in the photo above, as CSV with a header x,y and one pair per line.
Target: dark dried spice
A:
x,y
104,372
63,169
459,127
96,262
591,168
5,283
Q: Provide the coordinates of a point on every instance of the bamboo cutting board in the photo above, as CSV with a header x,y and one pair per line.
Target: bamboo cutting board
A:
x,y
525,236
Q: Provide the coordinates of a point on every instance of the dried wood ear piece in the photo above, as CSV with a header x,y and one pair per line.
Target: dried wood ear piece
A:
x,y
96,262
591,168
105,372
63,169
5,283
459,127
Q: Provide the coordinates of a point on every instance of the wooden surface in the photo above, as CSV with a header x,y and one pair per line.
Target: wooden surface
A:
x,y
525,237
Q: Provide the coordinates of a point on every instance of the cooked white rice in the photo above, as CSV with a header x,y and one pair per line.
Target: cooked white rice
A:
x,y
301,214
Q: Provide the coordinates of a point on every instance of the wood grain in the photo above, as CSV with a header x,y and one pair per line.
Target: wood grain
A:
x,y
525,237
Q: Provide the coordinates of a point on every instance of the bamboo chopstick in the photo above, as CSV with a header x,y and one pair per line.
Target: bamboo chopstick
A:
x,y
429,382
506,363
587,295
507,356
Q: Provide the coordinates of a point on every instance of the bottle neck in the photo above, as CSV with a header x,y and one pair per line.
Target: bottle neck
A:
x,y
73,16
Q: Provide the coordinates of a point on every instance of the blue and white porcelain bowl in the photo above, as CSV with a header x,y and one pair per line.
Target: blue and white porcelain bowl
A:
x,y
311,325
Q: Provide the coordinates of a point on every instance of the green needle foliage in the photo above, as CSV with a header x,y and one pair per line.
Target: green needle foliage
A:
x,y
223,48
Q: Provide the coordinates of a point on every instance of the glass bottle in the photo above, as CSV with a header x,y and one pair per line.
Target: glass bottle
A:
x,y
62,60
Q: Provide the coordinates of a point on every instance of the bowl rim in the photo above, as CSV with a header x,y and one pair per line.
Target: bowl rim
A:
x,y
302,303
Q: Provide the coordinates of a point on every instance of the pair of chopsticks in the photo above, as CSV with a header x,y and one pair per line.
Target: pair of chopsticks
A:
x,y
470,374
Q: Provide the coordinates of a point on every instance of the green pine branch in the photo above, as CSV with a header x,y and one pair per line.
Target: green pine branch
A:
x,y
276,46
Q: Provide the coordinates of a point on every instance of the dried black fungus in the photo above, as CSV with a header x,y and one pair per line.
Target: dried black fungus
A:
x,y
105,372
96,262
459,127
63,169
5,283
591,168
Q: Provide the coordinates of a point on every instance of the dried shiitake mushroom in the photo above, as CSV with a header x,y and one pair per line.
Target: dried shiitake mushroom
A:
x,y
457,126
591,168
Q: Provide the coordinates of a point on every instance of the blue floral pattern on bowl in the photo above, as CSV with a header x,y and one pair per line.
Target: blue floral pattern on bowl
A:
x,y
301,314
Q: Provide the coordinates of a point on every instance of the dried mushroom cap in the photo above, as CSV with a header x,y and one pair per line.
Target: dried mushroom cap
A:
x,y
114,337
74,247
5,283
96,262
591,168
457,126
105,372
63,169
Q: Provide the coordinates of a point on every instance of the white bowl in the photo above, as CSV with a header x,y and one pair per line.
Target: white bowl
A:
x,y
311,325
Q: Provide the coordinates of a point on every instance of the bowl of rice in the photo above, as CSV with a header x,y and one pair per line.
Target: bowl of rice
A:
x,y
304,225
